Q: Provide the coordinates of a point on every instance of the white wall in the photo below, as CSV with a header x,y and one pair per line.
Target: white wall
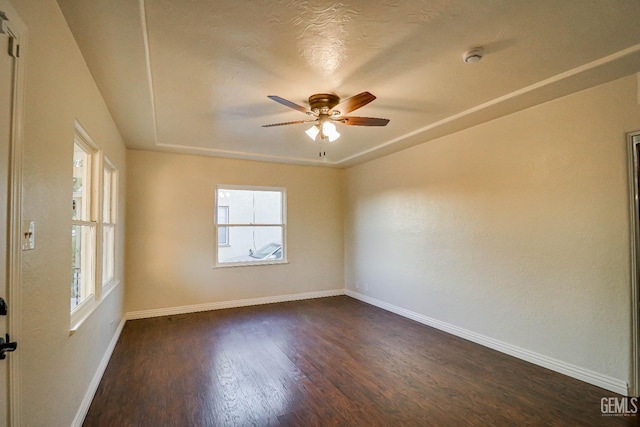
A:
x,y
170,235
57,368
516,229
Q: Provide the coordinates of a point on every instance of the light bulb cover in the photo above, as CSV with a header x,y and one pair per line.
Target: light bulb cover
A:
x,y
312,132
327,127
330,131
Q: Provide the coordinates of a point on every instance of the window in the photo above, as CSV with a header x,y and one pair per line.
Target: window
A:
x,y
250,225
109,197
83,228
93,227
223,232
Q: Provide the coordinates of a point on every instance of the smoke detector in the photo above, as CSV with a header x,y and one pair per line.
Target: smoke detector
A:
x,y
472,56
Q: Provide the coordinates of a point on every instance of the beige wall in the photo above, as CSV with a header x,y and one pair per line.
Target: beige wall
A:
x,y
57,368
516,229
170,231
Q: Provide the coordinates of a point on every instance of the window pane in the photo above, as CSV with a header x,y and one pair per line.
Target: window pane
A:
x,y
106,196
81,184
108,253
252,244
82,263
223,218
252,207
268,207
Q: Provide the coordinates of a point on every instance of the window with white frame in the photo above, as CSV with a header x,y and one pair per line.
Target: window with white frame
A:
x,y
93,227
109,214
83,228
250,225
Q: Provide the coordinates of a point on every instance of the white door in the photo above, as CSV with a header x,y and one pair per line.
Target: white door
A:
x,y
6,100
9,52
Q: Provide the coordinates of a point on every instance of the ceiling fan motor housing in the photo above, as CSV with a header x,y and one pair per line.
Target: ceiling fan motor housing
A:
x,y
322,101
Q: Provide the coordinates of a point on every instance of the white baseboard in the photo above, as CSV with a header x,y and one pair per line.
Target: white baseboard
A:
x,y
95,381
143,314
606,382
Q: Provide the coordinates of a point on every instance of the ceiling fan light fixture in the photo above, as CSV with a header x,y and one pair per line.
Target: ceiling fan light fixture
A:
x,y
329,130
312,132
324,131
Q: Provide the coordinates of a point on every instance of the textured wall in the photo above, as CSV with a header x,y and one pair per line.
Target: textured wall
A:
x,y
516,229
57,368
170,231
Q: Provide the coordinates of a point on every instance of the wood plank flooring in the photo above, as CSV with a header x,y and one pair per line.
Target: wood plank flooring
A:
x,y
326,362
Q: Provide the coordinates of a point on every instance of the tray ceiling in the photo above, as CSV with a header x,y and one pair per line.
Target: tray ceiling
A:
x,y
194,76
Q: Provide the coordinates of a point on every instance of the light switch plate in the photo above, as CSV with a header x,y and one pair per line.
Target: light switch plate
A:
x,y
28,235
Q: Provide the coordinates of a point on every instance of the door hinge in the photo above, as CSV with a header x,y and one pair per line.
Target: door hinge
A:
x,y
14,47
3,23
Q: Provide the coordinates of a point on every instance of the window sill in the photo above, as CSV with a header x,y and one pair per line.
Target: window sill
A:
x,y
78,319
249,264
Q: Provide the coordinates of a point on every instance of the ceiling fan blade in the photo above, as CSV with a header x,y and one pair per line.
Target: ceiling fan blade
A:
x,y
362,121
288,123
353,103
289,104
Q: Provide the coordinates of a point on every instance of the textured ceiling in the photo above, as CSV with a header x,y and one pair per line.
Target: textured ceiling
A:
x,y
193,76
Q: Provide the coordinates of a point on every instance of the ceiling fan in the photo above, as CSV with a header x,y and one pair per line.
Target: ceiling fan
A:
x,y
325,109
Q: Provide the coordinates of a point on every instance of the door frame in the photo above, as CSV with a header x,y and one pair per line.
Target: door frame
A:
x,y
14,26
633,145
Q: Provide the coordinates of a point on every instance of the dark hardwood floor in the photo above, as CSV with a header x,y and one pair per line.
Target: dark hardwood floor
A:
x,y
326,362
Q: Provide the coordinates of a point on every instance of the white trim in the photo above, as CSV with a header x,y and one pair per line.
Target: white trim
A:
x,y
98,163
634,225
283,224
97,377
246,155
249,263
250,187
91,306
110,201
157,312
84,137
604,381
147,59
18,29
591,377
